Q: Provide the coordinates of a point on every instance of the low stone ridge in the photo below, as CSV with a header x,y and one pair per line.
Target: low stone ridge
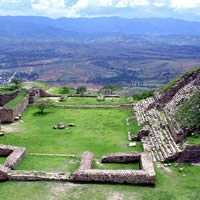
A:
x,y
191,154
86,161
144,176
20,175
4,171
123,106
15,155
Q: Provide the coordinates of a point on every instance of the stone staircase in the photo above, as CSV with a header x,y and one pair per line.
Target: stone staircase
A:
x,y
160,141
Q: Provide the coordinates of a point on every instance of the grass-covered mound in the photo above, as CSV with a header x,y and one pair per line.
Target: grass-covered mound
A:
x,y
188,114
10,89
175,81
20,97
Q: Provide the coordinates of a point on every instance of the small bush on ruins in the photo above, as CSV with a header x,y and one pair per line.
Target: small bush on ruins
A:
x,y
188,114
65,90
144,95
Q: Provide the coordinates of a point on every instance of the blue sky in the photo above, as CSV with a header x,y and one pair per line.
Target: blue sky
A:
x,y
184,9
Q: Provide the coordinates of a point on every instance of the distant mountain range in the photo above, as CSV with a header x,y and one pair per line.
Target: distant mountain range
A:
x,y
43,28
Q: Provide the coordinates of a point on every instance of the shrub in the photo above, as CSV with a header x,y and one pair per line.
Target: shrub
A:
x,y
144,95
188,115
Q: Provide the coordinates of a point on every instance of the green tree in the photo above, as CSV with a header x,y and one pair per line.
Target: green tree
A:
x,y
43,104
65,90
109,89
17,82
81,89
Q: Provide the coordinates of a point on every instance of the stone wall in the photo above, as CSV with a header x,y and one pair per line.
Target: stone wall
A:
x,y
191,154
5,98
8,115
15,155
4,171
19,108
21,175
87,160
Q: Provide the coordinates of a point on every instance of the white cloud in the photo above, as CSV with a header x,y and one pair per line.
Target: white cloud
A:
x,y
89,8
131,3
159,4
185,4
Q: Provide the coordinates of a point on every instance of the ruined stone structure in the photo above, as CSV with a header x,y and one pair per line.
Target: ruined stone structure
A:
x,y
85,173
157,114
146,175
9,115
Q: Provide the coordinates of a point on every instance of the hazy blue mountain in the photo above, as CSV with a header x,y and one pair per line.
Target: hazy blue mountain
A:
x,y
43,28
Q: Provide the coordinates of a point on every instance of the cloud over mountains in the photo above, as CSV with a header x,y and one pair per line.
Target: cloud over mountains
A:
x,y
185,9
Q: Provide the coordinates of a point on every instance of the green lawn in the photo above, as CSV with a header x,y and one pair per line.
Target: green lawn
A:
x,y
101,131
49,164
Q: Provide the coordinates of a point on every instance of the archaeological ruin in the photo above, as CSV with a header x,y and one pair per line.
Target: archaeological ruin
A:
x,y
161,137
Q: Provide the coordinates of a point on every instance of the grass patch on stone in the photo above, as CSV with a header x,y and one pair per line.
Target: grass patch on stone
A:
x,y
117,166
20,97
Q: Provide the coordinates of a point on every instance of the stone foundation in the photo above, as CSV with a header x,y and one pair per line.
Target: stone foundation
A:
x,y
85,173
144,176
